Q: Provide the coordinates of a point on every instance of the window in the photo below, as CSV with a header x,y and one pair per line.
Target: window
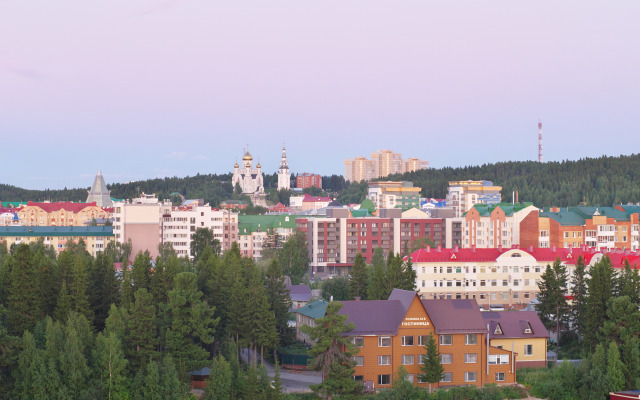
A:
x,y
384,360
471,358
358,341
358,378
528,349
471,339
422,340
408,359
446,340
407,340
499,376
384,379
528,329
499,359
409,377
446,358
421,358
359,360
384,341
469,376
447,377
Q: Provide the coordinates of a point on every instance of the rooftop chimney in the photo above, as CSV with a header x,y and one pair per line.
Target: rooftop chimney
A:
x,y
439,248
553,249
455,248
473,248
500,248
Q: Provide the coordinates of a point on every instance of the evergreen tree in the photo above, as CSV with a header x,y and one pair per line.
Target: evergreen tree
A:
x,y
110,366
79,287
552,307
127,291
336,288
333,353
64,303
104,287
29,379
628,283
432,370
378,281
141,271
191,323
600,285
74,366
23,306
294,257
395,277
580,294
219,383
200,240
615,368
142,337
49,279
409,276
358,282
279,301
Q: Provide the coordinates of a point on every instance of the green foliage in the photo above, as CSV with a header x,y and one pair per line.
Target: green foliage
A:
x,y
142,333
23,308
220,381
600,289
110,367
104,288
200,240
432,369
279,302
358,281
355,192
294,257
579,293
333,352
338,287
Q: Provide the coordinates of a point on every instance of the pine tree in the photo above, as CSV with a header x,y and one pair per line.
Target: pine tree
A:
x,y
23,306
279,301
127,291
104,289
74,366
333,353
358,282
29,379
110,366
432,370
64,304
191,322
579,291
409,276
219,383
615,368
378,282
79,287
394,275
628,283
142,337
50,280
141,271
552,307
600,286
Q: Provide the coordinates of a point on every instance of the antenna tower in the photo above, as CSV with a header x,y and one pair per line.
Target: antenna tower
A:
x,y
539,141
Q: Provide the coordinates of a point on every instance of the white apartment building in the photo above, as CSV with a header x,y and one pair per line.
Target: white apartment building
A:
x,y
463,195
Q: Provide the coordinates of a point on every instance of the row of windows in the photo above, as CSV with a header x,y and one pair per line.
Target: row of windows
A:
x,y
410,359
385,379
385,341
483,270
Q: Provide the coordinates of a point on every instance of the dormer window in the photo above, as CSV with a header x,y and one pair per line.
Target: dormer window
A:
x,y
527,329
498,330
516,255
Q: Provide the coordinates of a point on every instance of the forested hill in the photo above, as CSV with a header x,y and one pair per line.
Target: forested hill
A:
x,y
603,181
600,181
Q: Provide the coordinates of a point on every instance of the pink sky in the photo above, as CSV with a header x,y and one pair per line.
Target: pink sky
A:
x,y
141,89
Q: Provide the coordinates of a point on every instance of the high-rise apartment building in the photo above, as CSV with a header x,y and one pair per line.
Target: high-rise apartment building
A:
x,y
382,163
464,194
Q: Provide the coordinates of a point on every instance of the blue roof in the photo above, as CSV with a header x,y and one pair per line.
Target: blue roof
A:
x,y
43,231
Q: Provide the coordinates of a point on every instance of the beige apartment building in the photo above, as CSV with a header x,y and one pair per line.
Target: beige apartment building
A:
x,y
382,163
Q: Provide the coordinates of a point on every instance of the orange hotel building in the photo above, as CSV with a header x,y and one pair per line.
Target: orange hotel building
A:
x,y
392,333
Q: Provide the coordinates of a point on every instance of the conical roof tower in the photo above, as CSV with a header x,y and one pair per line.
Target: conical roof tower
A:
x,y
99,192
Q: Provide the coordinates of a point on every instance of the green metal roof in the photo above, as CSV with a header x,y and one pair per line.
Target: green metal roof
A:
x,y
360,213
14,204
248,224
314,310
509,209
42,231
565,217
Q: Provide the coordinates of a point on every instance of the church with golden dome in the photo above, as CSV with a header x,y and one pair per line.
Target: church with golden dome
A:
x,y
250,179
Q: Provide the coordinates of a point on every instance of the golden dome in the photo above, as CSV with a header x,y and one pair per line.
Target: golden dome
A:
x,y
236,165
247,157
258,166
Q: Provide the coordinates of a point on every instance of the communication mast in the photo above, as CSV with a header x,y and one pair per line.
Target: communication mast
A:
x,y
539,141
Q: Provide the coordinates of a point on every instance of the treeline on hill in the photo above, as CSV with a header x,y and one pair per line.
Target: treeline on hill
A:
x,y
603,181
72,327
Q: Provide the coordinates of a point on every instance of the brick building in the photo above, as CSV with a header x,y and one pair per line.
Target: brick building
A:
x,y
307,180
392,333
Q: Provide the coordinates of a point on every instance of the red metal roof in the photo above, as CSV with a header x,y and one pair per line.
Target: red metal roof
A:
x,y
566,255
67,206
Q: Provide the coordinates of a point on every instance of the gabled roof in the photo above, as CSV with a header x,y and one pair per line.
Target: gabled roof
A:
x,y
455,316
62,205
314,310
299,292
373,317
307,198
404,296
514,324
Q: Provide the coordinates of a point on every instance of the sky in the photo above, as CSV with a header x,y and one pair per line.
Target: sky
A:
x,y
146,89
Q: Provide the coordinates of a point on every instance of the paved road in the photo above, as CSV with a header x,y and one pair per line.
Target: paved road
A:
x,y
292,382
